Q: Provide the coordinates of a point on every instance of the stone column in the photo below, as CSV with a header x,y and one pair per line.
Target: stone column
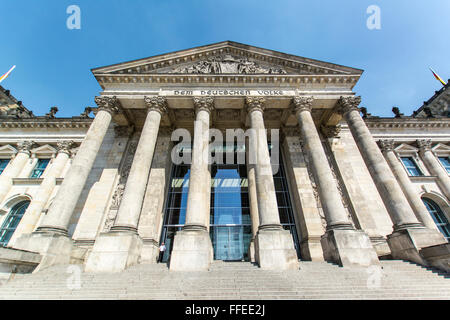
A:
x,y
121,247
409,234
51,237
192,248
15,167
433,165
273,245
32,214
421,212
341,242
253,201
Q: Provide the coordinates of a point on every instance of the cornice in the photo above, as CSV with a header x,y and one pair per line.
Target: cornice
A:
x,y
378,123
43,123
226,79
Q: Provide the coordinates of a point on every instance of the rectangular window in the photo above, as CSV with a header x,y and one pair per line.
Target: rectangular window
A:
x,y
411,166
3,164
446,163
39,169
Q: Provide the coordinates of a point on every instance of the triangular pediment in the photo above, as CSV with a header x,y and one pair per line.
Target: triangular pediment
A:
x,y
45,150
225,58
7,150
441,149
406,149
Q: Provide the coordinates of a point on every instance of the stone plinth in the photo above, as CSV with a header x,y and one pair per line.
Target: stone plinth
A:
x,y
274,250
114,252
55,248
349,248
438,256
192,251
406,243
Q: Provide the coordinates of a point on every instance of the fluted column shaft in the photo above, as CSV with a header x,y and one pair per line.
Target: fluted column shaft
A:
x,y
394,200
334,211
14,168
434,166
58,217
133,197
31,216
411,194
252,194
198,206
265,187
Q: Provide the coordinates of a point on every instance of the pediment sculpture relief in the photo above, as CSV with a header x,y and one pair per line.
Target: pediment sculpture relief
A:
x,y
228,64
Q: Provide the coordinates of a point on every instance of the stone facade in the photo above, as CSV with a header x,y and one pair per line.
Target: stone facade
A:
x,y
102,198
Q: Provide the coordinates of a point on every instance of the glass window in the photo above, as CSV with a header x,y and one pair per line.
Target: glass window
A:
x,y
446,163
438,216
39,168
411,166
3,164
11,222
230,221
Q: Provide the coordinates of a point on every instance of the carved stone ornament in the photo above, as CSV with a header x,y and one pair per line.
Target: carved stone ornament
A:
x,y
25,146
228,64
255,103
51,114
109,104
386,145
86,112
203,103
424,145
347,104
302,103
156,103
64,146
331,131
15,111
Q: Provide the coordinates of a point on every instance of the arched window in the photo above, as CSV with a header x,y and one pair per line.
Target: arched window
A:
x,y
438,216
11,222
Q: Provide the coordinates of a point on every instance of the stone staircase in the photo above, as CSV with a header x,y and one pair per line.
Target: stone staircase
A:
x,y
234,280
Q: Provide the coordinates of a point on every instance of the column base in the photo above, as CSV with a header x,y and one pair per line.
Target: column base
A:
x,y
405,244
274,250
114,252
349,248
55,249
192,251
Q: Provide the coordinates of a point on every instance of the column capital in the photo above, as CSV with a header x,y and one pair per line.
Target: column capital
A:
x,y
108,104
255,103
347,104
424,145
203,103
156,103
64,146
386,145
25,146
331,131
302,103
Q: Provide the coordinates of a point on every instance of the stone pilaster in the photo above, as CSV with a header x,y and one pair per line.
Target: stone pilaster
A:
x,y
192,248
341,242
433,165
51,237
31,216
421,212
409,234
120,248
274,247
15,167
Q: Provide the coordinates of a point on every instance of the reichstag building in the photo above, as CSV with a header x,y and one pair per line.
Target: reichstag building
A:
x,y
301,172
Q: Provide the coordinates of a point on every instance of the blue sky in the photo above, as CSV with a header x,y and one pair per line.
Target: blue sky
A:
x,y
53,62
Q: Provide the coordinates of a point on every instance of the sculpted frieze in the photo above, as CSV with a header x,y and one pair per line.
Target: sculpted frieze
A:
x,y
225,64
